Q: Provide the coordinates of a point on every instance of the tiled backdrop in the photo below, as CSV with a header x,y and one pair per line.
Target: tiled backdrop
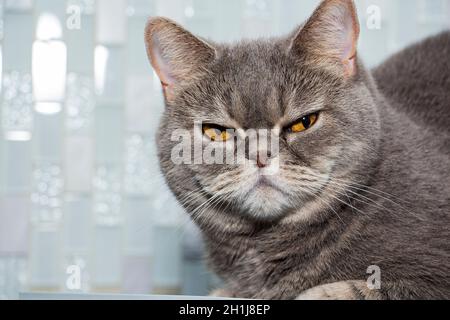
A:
x,y
79,181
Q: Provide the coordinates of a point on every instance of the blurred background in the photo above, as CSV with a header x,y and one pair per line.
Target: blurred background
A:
x,y
83,206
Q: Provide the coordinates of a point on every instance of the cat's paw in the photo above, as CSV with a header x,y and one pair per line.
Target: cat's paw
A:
x,y
346,290
222,293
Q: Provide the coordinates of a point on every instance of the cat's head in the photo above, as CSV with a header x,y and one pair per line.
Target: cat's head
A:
x,y
309,91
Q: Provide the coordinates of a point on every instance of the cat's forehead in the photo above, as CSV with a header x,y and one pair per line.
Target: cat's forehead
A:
x,y
254,60
261,108
262,83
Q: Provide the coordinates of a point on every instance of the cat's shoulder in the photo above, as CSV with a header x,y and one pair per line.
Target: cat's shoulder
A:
x,y
417,80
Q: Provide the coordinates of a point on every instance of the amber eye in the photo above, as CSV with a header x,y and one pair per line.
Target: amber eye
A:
x,y
216,133
304,123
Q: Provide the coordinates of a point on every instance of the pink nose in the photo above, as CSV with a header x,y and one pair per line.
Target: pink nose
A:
x,y
261,160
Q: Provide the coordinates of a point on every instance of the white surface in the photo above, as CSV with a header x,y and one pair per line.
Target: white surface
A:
x,y
76,296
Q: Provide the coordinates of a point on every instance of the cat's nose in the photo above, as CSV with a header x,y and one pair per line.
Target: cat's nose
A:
x,y
261,158
260,154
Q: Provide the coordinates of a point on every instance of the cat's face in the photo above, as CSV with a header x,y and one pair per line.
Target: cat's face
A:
x,y
318,108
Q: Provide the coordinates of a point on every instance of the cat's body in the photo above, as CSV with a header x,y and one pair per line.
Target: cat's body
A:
x,y
416,81
414,165
386,202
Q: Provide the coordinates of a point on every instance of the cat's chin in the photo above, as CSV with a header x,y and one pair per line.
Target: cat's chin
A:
x,y
266,203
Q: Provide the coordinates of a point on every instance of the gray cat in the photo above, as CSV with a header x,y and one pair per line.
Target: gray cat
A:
x,y
363,183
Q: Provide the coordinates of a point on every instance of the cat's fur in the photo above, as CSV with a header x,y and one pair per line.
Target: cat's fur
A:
x,y
383,144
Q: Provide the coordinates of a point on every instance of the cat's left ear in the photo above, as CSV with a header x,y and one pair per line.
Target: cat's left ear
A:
x,y
329,38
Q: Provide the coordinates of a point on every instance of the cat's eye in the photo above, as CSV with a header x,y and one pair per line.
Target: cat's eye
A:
x,y
304,123
216,132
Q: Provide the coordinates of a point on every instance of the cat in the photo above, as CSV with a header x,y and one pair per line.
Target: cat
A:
x,y
359,207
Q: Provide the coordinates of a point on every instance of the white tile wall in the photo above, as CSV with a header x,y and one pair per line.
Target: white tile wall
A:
x,y
106,257
14,215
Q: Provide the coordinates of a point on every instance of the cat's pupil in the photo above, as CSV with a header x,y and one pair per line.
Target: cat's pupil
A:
x,y
306,121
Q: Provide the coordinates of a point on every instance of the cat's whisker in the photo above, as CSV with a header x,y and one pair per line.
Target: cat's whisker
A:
x,y
190,196
185,201
347,204
347,187
206,202
211,206
354,185
362,187
372,202
315,196
342,201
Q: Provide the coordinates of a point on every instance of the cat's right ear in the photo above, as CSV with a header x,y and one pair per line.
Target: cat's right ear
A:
x,y
176,55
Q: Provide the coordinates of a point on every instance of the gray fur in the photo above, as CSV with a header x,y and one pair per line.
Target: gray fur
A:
x,y
384,137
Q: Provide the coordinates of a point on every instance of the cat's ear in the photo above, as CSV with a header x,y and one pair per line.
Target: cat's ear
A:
x,y
176,55
329,38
